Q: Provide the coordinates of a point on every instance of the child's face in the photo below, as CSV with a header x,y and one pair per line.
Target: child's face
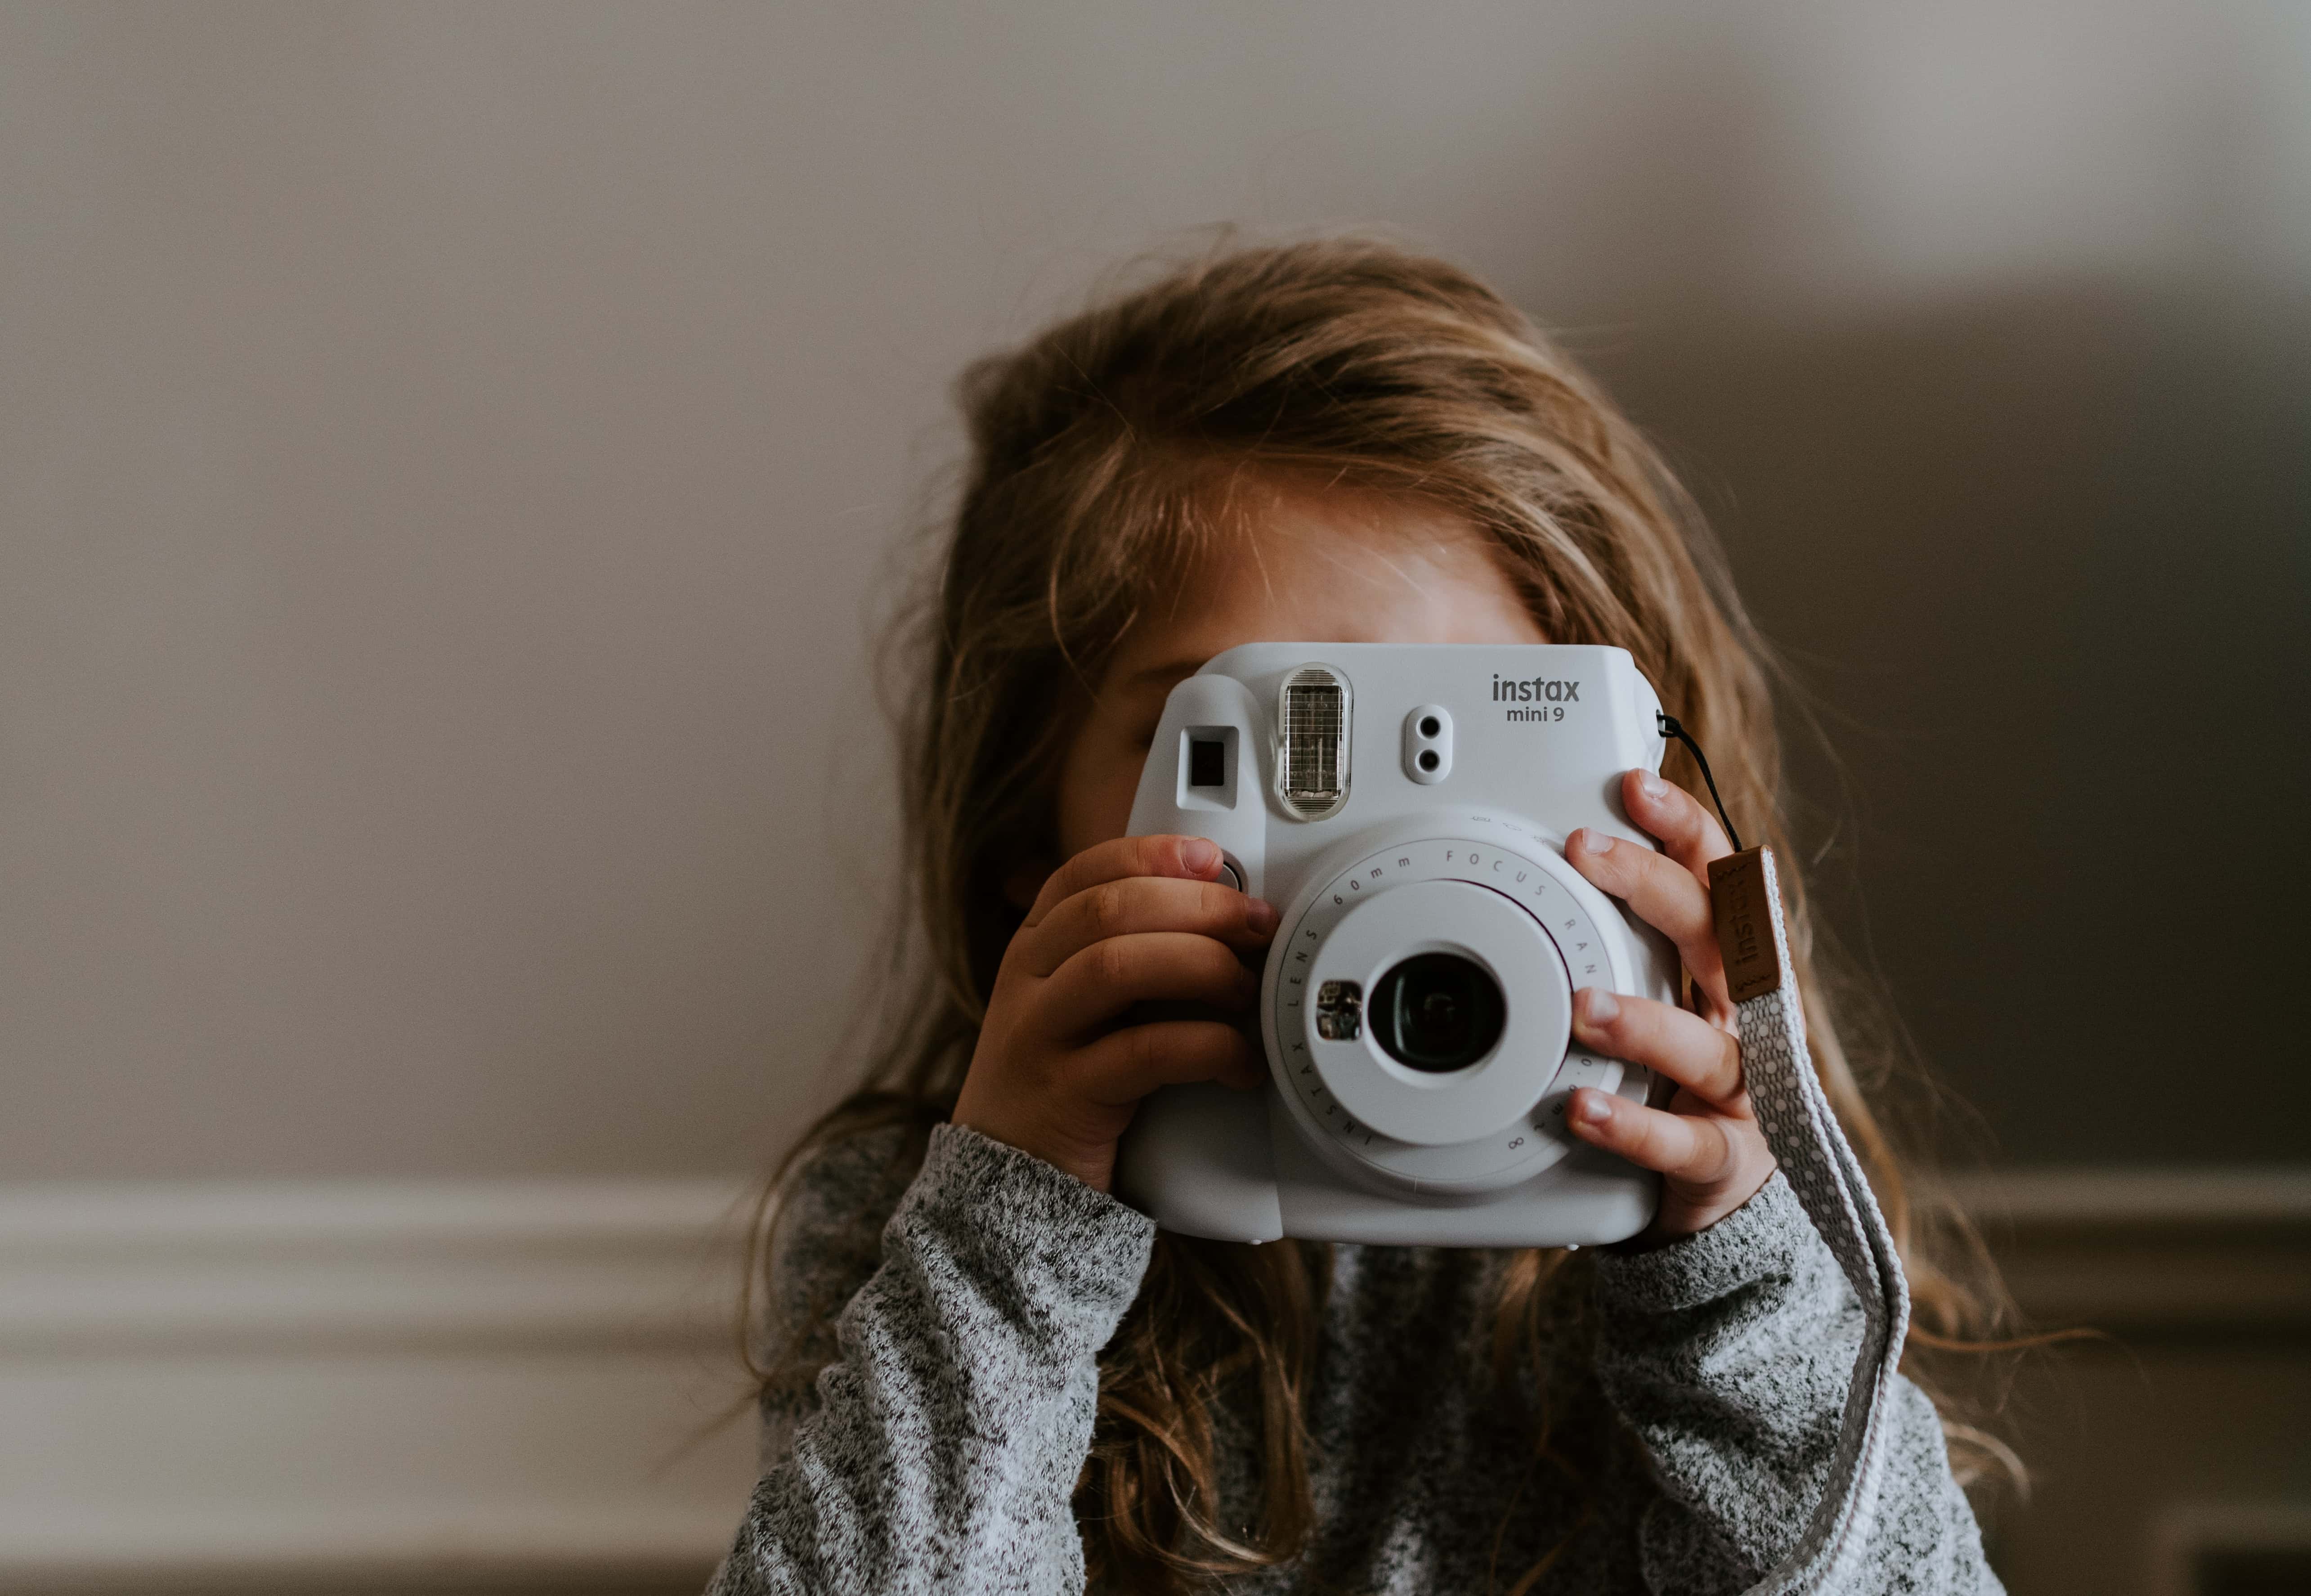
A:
x,y
1316,566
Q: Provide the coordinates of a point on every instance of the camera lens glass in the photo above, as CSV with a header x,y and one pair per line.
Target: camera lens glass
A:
x,y
1438,1012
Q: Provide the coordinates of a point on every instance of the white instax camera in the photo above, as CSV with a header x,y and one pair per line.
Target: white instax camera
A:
x,y
1406,807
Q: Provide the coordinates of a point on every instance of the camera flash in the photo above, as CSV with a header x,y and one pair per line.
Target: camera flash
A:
x,y
1313,774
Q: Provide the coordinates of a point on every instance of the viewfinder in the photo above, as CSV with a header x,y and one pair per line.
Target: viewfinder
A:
x,y
1207,763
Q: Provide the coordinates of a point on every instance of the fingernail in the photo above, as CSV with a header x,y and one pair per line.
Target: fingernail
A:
x,y
1594,1107
1200,855
1589,840
1597,1007
1260,915
1653,786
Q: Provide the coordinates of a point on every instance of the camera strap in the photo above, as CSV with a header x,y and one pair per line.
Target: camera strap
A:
x,y
1819,1164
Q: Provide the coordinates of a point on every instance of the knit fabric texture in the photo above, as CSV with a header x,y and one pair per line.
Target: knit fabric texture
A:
x,y
1693,1396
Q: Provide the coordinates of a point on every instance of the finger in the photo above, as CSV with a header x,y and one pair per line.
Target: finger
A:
x,y
1698,1056
1192,859
1137,903
1662,893
1126,1065
1688,833
1099,983
1683,1147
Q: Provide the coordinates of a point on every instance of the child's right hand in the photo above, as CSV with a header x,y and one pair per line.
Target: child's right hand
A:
x,y
1137,919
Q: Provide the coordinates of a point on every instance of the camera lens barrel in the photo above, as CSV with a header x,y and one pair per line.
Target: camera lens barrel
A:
x,y
1431,1011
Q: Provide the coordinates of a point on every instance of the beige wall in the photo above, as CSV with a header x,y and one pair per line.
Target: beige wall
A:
x,y
448,457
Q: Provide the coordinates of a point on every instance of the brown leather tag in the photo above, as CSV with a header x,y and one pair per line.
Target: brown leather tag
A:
x,y
1738,892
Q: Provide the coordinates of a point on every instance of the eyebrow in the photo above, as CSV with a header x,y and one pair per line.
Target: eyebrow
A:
x,y
1171,670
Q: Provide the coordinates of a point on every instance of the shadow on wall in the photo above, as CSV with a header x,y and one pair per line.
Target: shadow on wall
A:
x,y
2045,560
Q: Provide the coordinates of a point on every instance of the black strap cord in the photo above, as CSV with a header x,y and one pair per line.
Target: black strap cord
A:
x,y
1670,728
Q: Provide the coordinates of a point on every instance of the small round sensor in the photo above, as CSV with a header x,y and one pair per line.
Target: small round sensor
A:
x,y
1428,744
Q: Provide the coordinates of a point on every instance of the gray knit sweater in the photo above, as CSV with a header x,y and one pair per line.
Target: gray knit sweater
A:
x,y
1695,1392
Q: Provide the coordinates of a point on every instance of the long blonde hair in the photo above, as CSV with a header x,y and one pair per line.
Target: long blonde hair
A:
x,y
1099,454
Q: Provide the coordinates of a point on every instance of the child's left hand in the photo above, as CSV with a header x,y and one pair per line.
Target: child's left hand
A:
x,y
1705,1143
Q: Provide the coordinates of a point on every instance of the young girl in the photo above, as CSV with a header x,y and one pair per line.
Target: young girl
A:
x,y
989,1375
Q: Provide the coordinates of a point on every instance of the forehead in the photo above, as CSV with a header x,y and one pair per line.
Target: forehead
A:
x,y
1306,563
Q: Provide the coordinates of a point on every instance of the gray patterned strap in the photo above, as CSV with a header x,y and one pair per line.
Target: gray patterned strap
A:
x,y
1821,1168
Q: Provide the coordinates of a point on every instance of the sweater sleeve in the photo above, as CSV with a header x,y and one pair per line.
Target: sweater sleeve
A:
x,y
1730,1353
939,1450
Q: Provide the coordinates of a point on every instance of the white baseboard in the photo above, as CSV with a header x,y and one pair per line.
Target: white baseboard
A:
x,y
2220,1254
408,1384
306,1386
